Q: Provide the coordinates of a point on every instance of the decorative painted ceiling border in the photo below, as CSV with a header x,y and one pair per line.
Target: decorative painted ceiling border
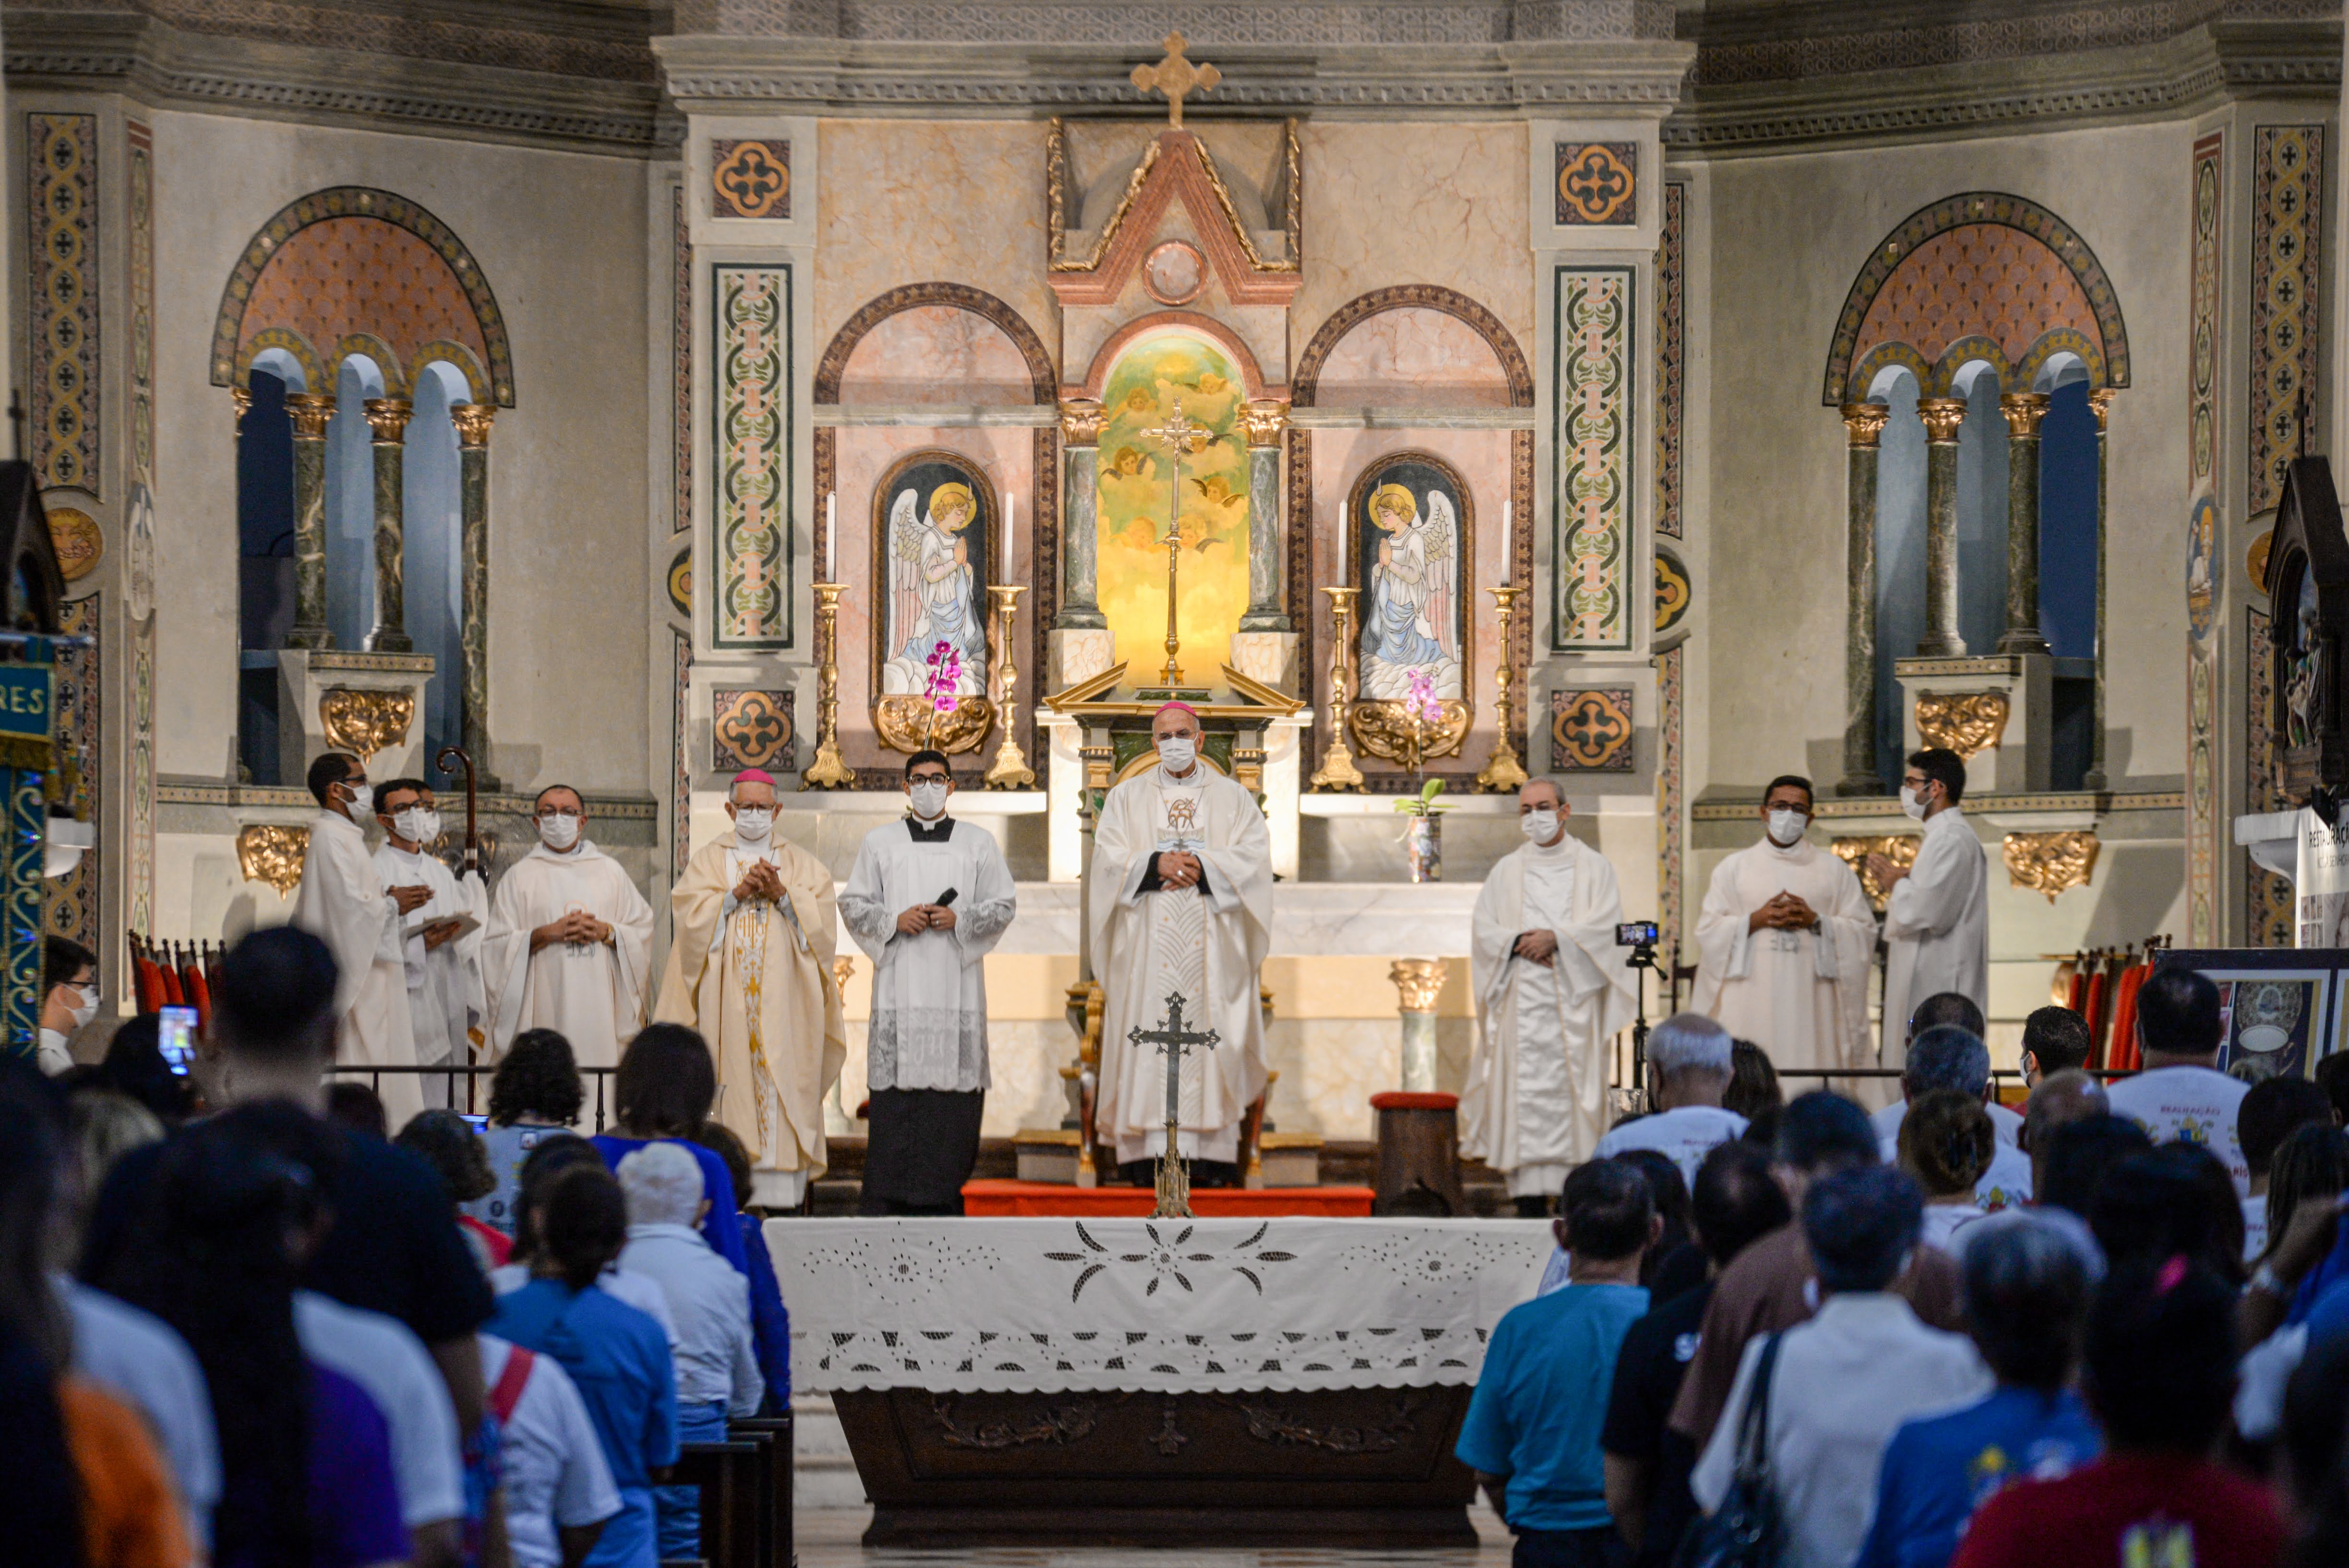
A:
x,y
1043,379
360,201
1964,208
1304,379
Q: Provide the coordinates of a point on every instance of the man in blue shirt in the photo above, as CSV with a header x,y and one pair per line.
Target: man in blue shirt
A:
x,y
1532,1430
2028,1278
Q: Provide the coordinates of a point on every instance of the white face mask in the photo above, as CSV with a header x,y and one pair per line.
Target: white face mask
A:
x,y
1786,828
416,825
1541,827
88,1008
362,799
753,824
1912,803
1176,753
558,832
929,796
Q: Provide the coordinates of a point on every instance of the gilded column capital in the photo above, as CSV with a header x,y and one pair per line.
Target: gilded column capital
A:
x,y
2101,400
388,418
1418,983
1942,415
2023,410
472,421
1081,420
1863,423
1264,420
243,401
311,412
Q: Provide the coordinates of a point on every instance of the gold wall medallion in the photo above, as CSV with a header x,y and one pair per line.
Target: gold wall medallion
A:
x,y
1962,722
365,720
2051,862
905,724
1383,729
1900,849
266,852
79,542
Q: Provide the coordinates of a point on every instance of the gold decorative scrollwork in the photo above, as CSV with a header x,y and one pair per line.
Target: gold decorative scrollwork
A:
x,y
904,723
268,854
1964,722
1418,983
2051,862
365,720
1058,1424
1900,849
1383,729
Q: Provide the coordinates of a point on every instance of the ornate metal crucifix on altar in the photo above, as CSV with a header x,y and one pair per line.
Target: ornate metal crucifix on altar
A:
x,y
1173,1040
1183,437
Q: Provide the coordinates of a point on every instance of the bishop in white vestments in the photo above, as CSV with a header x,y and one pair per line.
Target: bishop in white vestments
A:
x,y
1937,922
440,933
1179,903
342,903
1784,943
569,941
1551,990
928,899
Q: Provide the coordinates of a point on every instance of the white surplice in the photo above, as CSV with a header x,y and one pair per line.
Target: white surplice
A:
x,y
445,994
593,992
929,990
1801,995
1204,944
1937,928
341,902
1536,1099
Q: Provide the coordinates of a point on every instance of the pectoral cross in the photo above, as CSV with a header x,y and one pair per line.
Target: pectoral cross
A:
x,y
1183,437
1173,1039
1175,76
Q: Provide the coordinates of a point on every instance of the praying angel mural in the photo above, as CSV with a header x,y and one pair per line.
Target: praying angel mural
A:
x,y
933,560
1410,548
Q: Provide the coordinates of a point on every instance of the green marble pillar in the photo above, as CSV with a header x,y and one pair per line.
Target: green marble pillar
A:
x,y
2101,400
388,418
1863,425
1942,415
2023,410
1081,426
310,412
472,421
1265,421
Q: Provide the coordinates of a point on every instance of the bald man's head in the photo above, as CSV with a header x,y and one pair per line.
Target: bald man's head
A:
x,y
2060,1098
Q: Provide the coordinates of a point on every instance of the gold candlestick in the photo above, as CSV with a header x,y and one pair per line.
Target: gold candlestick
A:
x,y
1338,771
1503,773
1010,770
828,772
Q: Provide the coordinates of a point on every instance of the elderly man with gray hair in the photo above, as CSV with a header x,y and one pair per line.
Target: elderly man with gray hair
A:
x,y
1950,1058
1688,1072
717,1359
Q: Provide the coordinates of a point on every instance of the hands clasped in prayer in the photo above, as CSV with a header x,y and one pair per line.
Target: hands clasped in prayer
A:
x,y
1178,868
1537,946
761,881
578,928
1784,913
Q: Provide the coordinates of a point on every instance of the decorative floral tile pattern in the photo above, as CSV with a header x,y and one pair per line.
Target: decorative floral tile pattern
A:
x,y
2267,897
2287,253
1590,731
73,898
1592,523
61,201
1598,183
750,179
2202,395
752,730
1671,787
1672,348
752,429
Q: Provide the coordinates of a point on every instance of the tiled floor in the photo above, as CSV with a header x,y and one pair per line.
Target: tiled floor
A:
x,y
828,1539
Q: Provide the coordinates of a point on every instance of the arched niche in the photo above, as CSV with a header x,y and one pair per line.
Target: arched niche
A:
x,y
1158,325
831,368
1412,357
1306,379
936,354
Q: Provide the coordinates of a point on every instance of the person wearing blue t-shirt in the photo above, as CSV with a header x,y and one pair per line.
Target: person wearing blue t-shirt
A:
x,y
664,1090
2028,1277
1532,1429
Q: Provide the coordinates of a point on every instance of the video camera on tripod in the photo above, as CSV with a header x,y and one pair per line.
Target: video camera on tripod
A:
x,y
1640,936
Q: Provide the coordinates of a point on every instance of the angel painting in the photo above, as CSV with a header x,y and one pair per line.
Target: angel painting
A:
x,y
934,576
1411,541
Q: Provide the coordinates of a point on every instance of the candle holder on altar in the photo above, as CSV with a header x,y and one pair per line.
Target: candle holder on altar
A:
x,y
1338,771
1010,770
1503,773
828,772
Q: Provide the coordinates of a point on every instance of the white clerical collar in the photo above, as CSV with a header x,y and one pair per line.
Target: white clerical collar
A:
x,y
1188,781
1785,851
1557,852
414,855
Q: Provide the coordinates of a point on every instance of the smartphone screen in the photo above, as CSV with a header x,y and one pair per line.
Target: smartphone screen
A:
x,y
176,1032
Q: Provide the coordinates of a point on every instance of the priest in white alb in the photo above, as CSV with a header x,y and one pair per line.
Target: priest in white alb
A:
x,y
342,903
569,942
1179,903
926,899
1552,990
440,933
1937,920
753,929
1785,942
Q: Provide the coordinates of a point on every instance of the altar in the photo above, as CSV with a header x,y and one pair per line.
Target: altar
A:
x,y
1115,1381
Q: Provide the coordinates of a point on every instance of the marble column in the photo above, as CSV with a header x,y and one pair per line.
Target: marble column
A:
x,y
1081,426
472,421
310,412
388,418
1863,425
2101,401
1418,983
1265,422
1942,415
2023,410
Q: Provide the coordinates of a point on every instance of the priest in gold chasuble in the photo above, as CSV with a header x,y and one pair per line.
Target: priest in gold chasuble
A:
x,y
1180,902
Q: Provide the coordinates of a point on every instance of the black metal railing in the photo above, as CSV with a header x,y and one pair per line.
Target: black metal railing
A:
x,y
474,1095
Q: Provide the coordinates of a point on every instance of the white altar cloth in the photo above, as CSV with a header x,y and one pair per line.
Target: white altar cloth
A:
x,y
1028,1305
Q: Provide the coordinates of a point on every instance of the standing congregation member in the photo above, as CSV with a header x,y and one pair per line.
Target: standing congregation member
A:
x,y
1947,1057
771,1325
1531,1433
1551,992
927,1048
2272,1111
2055,1040
440,932
535,1094
2181,1094
1786,941
1839,1385
68,998
749,967
1937,916
2057,1101
343,903
1180,902
1689,1063
1945,1146
446,1142
569,941
555,1481
548,1161
1943,1009
664,1090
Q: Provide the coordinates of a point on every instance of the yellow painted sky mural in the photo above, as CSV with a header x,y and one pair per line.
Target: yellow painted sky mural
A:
x,y
1156,378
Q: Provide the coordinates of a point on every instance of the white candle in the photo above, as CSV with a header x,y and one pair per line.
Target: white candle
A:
x,y
1011,531
830,535
1505,507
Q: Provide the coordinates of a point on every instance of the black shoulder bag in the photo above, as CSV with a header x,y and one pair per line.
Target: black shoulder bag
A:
x,y
1743,1532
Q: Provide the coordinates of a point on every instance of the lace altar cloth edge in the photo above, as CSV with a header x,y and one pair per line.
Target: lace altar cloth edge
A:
x,y
1226,1305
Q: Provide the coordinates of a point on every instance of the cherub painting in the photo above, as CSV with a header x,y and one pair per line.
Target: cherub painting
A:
x,y
932,554
1411,546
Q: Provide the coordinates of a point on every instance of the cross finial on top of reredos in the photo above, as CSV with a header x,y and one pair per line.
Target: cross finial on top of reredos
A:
x,y
1175,76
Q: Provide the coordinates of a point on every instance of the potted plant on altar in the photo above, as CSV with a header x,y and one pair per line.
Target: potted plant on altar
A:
x,y
938,686
1423,835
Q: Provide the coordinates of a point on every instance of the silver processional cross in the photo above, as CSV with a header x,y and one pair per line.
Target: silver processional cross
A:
x,y
1172,1041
